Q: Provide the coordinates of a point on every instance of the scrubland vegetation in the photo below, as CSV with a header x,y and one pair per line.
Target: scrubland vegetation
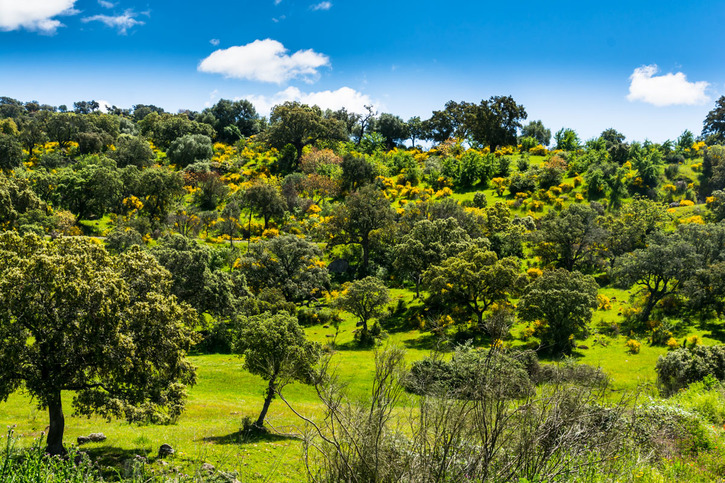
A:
x,y
305,297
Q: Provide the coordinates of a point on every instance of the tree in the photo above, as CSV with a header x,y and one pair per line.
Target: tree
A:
x,y
451,122
415,130
240,114
133,151
474,279
362,213
712,177
568,238
195,279
392,128
300,125
496,121
90,188
356,172
714,123
628,231
190,149
288,263
427,244
274,347
265,199
564,302
11,152
365,299
659,269
536,130
567,139
158,187
76,319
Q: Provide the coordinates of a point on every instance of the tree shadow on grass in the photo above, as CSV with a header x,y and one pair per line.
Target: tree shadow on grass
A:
x,y
248,437
716,328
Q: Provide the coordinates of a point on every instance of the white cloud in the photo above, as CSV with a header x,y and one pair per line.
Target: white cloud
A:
x,y
277,2
264,61
120,22
665,90
346,97
214,42
105,4
36,15
322,6
104,106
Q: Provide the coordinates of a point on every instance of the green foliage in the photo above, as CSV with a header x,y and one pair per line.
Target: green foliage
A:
x,y
427,244
473,280
569,239
365,299
132,150
566,139
108,328
190,149
196,280
274,347
503,374
11,152
537,131
677,369
563,301
288,263
353,222
659,269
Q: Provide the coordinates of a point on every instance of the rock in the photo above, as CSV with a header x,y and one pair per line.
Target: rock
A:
x,y
329,335
583,347
325,326
208,467
91,438
162,463
675,204
339,266
165,450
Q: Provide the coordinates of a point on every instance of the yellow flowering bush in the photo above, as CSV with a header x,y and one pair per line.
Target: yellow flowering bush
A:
x,y
633,346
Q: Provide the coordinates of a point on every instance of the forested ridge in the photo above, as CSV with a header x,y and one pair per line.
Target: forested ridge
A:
x,y
346,296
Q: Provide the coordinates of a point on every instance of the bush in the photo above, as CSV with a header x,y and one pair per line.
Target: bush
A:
x,y
190,149
633,346
681,367
479,199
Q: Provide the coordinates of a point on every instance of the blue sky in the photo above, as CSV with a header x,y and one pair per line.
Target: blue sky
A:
x,y
588,67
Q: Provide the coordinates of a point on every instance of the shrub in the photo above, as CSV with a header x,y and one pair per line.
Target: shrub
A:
x,y
633,346
681,367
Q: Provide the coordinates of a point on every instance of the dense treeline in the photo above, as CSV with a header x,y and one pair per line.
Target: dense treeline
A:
x,y
231,231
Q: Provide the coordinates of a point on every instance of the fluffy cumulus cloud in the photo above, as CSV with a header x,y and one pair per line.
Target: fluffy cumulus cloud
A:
x,y
121,22
264,61
346,97
322,6
665,90
36,15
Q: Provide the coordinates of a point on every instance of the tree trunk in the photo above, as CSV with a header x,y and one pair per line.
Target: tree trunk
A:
x,y
57,426
267,401
651,302
366,255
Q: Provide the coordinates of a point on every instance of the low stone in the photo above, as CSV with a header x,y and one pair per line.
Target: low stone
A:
x,y
583,347
83,440
208,467
97,437
165,450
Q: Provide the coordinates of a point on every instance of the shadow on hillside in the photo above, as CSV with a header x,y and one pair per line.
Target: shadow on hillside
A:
x,y
717,330
242,437
428,342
